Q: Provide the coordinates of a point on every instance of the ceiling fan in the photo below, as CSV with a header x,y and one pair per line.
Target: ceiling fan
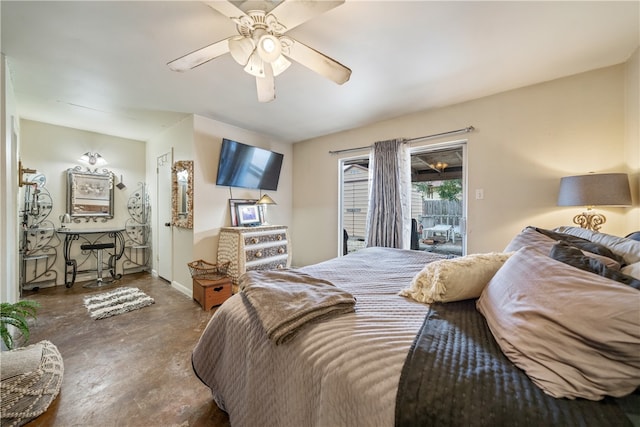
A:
x,y
262,47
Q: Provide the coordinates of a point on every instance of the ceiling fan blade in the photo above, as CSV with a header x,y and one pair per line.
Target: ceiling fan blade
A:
x,y
318,62
226,8
266,85
200,56
292,13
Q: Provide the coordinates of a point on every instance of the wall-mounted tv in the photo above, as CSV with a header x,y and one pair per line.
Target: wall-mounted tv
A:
x,y
246,166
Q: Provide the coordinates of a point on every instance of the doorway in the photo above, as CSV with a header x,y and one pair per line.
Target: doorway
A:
x,y
165,235
438,200
438,208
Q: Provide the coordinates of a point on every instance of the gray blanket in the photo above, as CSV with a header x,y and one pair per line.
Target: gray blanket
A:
x,y
456,375
286,300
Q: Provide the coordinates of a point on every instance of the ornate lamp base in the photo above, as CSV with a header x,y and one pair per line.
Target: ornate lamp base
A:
x,y
590,220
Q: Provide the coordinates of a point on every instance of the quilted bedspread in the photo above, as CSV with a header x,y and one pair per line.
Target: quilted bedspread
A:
x,y
340,372
456,375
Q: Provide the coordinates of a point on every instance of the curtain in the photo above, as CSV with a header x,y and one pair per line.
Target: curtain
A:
x,y
389,213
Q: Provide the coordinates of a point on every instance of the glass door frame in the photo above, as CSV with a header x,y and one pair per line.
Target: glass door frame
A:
x,y
453,145
450,145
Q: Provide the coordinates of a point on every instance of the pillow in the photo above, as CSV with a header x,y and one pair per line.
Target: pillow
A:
x,y
574,257
632,270
629,249
575,334
530,237
454,279
583,244
537,238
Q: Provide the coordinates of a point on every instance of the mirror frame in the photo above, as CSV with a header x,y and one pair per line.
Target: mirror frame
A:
x,y
182,196
91,206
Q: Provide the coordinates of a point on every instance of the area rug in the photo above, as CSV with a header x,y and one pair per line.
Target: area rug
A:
x,y
118,301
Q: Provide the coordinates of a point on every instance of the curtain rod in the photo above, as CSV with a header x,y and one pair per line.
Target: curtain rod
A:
x,y
419,138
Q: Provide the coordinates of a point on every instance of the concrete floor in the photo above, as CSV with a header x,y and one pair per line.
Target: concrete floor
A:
x,y
133,369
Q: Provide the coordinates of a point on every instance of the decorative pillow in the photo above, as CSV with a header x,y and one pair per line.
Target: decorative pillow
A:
x,y
455,279
573,256
575,334
632,270
629,249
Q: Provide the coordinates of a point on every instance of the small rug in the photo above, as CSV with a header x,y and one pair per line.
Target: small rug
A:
x,y
115,302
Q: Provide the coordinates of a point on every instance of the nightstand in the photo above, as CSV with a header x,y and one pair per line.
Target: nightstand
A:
x,y
210,293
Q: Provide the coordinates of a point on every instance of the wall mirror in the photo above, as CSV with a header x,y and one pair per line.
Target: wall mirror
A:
x,y
182,194
89,194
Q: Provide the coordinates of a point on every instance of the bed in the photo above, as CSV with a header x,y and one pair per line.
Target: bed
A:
x,y
354,369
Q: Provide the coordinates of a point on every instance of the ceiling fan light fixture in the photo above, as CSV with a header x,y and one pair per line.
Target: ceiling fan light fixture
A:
x,y
241,49
255,66
279,65
269,48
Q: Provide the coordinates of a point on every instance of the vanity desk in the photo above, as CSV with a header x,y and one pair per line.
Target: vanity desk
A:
x,y
89,236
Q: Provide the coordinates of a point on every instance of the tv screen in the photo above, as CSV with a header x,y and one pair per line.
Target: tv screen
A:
x,y
246,166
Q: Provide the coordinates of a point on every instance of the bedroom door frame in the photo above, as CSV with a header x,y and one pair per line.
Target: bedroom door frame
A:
x,y
164,254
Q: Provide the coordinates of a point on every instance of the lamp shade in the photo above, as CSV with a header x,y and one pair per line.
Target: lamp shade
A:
x,y
265,200
605,189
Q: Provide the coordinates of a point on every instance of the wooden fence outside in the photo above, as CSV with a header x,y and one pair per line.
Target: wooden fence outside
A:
x,y
441,212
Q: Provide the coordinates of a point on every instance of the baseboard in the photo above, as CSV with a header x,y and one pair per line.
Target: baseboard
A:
x,y
180,287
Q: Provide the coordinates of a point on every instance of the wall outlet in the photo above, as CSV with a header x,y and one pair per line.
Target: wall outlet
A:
x,y
479,194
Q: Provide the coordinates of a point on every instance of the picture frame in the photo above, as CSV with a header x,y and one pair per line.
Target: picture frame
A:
x,y
90,194
248,215
233,211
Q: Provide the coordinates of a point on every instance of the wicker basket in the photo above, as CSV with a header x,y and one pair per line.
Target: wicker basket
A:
x,y
205,270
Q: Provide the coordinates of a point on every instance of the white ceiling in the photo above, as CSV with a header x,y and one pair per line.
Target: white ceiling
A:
x,y
101,66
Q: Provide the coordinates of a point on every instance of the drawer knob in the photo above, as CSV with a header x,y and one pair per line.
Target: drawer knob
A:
x,y
255,240
280,266
281,250
259,254
279,237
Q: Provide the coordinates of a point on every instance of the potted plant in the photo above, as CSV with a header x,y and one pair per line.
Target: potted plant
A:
x,y
17,315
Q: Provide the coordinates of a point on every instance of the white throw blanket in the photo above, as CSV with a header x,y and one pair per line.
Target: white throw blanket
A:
x,y
286,300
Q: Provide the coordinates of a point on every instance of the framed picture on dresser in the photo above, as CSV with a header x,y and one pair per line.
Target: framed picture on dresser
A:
x,y
233,210
248,215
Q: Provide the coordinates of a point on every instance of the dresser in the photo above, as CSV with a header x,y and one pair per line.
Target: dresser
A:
x,y
254,248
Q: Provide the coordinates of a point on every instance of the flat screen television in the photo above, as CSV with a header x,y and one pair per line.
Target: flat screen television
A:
x,y
247,166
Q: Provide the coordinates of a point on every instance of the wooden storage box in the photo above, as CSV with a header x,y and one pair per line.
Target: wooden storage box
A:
x,y
210,293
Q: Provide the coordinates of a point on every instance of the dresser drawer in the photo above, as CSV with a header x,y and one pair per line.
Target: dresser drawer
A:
x,y
265,252
265,238
273,264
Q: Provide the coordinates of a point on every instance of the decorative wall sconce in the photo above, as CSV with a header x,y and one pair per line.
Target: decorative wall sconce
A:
x,y
21,172
605,189
263,203
93,159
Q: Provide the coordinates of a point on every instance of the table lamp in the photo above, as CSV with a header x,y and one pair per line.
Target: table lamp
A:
x,y
604,189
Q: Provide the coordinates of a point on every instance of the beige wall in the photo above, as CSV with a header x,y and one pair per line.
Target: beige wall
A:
x,y
525,141
51,150
632,135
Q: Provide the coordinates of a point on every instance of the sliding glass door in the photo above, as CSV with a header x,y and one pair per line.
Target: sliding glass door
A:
x,y
438,200
439,196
